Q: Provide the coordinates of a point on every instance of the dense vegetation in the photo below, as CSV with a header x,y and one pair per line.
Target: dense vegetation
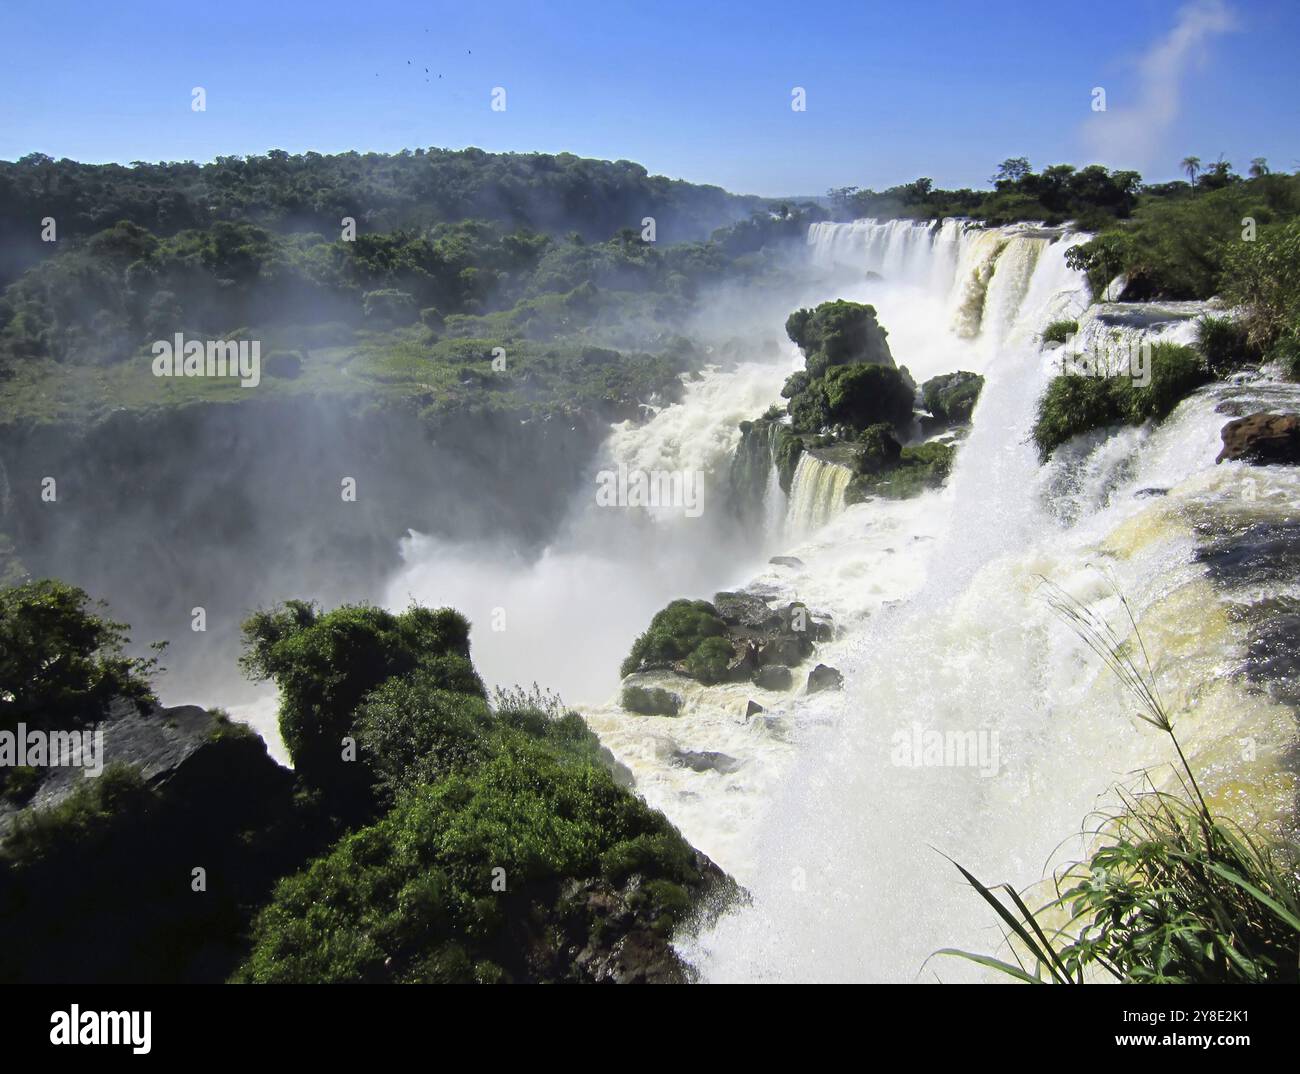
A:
x,y
849,378
466,278
1076,403
508,844
1090,196
427,833
61,663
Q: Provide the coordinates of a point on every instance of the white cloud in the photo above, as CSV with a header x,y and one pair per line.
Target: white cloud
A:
x,y
1132,134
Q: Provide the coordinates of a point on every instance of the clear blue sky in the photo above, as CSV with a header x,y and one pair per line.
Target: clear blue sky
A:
x,y
695,90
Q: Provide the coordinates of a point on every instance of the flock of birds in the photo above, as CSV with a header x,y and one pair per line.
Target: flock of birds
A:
x,y
409,63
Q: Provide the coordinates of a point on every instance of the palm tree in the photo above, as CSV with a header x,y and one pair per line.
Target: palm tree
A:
x,y
1191,165
1258,167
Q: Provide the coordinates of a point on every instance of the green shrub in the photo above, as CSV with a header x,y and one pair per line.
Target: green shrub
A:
x,y
325,664
1074,404
674,633
19,783
410,731
412,897
917,468
1060,331
1264,277
1224,343
863,395
951,398
1176,372
708,662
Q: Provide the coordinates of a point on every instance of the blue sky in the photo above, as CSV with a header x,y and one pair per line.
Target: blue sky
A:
x,y
693,90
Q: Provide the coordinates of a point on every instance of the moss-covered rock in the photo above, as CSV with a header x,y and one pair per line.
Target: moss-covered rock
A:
x,y
951,397
674,634
650,701
839,333
916,468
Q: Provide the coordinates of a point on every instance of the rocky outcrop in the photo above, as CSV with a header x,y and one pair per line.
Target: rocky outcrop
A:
x,y
603,934
774,677
738,636
1263,439
185,751
950,399
650,701
824,677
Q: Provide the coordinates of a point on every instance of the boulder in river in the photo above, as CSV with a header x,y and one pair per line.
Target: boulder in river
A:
x,y
774,677
1262,438
824,677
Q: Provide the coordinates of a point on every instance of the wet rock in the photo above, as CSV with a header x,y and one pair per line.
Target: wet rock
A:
x,y
1262,438
787,650
1265,553
1143,494
744,663
705,761
650,701
744,610
824,677
786,561
186,748
774,677
752,709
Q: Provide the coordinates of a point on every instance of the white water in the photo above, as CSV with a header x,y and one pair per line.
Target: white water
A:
x,y
848,880
941,622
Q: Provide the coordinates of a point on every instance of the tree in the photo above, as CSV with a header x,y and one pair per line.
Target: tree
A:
x,y
60,663
1192,166
1011,171
1258,167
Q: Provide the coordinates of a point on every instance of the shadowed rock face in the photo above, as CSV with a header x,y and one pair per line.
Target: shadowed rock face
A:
x,y
1262,438
179,750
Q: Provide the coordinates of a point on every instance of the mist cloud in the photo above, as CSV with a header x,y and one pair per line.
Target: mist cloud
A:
x,y
1133,135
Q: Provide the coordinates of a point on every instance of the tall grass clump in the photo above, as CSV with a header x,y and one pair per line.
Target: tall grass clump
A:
x,y
1173,894
1060,331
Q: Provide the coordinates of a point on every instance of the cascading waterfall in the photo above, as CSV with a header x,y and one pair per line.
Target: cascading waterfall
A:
x,y
846,877
816,493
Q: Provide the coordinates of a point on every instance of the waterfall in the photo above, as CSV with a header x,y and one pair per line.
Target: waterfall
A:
x,y
845,870
816,493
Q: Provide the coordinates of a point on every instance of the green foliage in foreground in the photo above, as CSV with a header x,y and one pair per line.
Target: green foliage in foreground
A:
x,y
1074,404
326,664
1173,895
678,632
61,664
444,887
